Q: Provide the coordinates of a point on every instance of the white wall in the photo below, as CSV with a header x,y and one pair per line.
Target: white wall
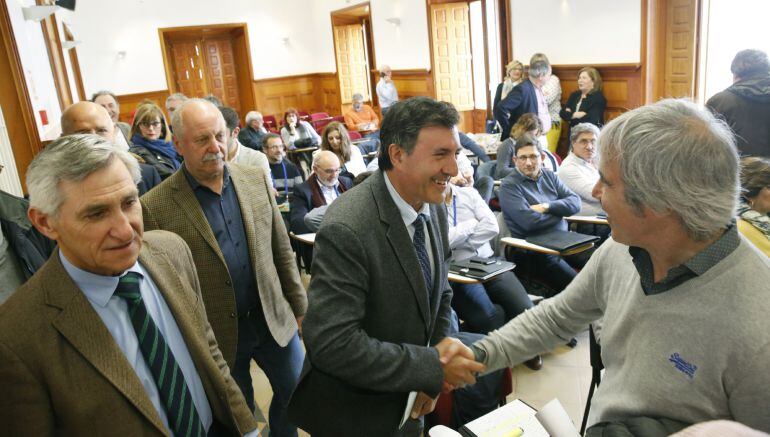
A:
x,y
107,27
579,32
37,69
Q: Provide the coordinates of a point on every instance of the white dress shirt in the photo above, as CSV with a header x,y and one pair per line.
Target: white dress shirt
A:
x,y
329,193
581,177
113,310
356,164
409,215
386,93
471,224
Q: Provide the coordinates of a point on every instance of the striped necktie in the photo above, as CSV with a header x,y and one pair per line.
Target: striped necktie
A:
x,y
422,253
172,388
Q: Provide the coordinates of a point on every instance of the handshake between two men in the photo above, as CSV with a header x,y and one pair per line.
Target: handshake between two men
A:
x,y
460,369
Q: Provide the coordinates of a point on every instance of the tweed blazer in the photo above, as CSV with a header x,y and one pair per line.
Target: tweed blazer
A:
x,y
62,373
370,317
172,206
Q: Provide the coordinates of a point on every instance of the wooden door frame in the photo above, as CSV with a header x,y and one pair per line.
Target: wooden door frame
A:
x,y
372,68
241,54
75,63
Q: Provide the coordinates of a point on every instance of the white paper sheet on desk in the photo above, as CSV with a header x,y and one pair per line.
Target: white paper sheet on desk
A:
x,y
514,418
409,405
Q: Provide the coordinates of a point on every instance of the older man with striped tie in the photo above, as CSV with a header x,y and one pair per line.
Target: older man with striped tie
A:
x,y
110,336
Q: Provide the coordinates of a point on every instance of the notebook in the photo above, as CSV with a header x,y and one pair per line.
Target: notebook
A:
x,y
480,268
561,241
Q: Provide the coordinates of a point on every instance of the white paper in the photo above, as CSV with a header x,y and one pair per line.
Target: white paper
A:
x,y
443,431
409,405
556,420
514,418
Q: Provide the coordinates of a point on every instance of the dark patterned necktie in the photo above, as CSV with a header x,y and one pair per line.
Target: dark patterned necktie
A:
x,y
422,253
172,388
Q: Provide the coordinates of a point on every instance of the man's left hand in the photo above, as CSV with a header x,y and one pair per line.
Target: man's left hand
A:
x,y
423,405
540,207
299,324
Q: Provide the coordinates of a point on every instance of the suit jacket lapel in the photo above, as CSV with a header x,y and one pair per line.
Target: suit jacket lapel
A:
x,y
402,245
84,329
187,202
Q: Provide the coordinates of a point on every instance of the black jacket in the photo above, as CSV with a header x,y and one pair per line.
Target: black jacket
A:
x,y
593,105
150,178
746,107
251,138
30,246
521,100
302,203
163,165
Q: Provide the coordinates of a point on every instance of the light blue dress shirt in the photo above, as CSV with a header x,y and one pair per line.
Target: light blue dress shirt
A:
x,y
114,313
409,215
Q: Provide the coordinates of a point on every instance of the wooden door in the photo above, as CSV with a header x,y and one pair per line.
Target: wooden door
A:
x,y
452,66
189,68
681,48
352,65
222,78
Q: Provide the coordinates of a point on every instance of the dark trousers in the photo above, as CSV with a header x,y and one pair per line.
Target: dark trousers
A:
x,y
485,185
551,270
282,365
488,306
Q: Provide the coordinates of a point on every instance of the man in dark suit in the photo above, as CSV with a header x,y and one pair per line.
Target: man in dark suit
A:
x,y
379,306
110,336
253,134
523,98
228,216
313,197
90,118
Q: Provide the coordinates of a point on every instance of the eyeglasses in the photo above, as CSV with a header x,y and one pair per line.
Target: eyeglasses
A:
x,y
526,158
330,171
149,124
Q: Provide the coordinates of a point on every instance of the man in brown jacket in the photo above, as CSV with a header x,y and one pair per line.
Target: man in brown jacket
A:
x,y
110,336
228,216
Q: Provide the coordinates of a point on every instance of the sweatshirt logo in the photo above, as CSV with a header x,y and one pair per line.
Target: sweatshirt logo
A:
x,y
682,365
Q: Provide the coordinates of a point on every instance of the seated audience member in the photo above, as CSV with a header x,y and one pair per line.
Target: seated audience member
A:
x,y
174,101
312,197
485,185
387,94
22,248
109,337
579,170
252,135
335,139
526,124
745,105
488,306
285,174
150,138
108,101
526,97
753,219
236,152
552,93
361,117
681,296
296,133
514,74
90,118
535,201
214,100
471,145
587,104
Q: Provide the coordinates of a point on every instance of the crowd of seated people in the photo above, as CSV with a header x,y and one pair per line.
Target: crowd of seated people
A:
x,y
535,195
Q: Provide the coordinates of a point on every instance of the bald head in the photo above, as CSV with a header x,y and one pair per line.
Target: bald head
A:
x,y
181,120
326,166
200,136
87,118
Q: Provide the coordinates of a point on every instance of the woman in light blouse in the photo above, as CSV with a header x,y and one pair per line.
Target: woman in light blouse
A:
x,y
514,74
335,139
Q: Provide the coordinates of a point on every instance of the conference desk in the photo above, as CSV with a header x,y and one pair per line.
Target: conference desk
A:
x,y
588,219
520,243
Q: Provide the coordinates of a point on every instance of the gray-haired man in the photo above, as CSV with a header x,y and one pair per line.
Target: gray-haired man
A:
x,y
682,298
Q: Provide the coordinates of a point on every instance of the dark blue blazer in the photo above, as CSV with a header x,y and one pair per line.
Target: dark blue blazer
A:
x,y
150,178
302,203
521,100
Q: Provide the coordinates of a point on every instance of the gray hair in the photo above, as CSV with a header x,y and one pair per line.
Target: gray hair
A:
x,y
675,156
253,115
177,118
176,96
749,63
582,128
105,93
324,154
357,96
539,69
71,158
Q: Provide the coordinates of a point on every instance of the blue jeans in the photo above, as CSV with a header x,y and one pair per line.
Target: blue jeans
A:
x,y
486,307
282,365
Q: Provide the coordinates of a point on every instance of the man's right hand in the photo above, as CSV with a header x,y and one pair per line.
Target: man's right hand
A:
x,y
458,362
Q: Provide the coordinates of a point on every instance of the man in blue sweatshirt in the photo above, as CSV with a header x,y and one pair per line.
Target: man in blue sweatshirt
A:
x,y
535,201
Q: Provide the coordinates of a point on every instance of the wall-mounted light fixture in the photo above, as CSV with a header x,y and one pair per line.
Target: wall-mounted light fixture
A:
x,y
121,55
38,13
285,40
67,45
395,21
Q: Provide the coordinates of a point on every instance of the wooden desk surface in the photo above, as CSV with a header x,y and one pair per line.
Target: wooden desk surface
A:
x,y
591,219
305,149
304,238
460,279
524,244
